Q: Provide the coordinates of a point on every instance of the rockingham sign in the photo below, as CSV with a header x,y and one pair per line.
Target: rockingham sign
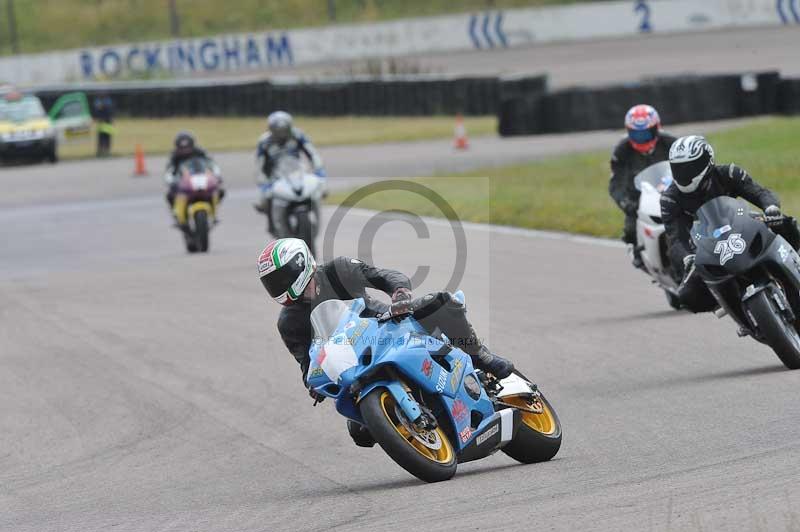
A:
x,y
484,30
199,55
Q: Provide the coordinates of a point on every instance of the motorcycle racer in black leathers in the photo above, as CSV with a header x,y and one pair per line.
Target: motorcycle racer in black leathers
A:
x,y
282,140
644,145
291,276
697,180
185,148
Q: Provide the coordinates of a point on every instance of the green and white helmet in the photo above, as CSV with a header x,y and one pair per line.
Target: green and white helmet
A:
x,y
286,266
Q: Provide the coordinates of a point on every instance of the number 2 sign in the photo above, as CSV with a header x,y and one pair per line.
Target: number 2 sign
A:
x,y
643,10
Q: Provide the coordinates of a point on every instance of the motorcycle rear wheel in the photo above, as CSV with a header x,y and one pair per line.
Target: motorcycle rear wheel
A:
x,y
539,436
428,456
780,335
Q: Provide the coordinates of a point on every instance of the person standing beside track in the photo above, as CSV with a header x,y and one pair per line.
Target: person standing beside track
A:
x,y
104,116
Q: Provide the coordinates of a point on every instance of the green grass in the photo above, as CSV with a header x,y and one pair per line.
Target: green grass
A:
x,y
570,193
59,24
225,134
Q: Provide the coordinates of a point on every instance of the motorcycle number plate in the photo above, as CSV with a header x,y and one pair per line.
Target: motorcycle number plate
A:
x,y
199,182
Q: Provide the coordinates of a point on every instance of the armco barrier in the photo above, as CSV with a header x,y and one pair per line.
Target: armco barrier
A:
x,y
412,95
679,99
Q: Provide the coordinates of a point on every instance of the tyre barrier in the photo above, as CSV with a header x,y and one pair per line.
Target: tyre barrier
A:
x,y
523,104
789,96
401,95
678,99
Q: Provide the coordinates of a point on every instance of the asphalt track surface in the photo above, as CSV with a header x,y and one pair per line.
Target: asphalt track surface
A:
x,y
611,61
142,388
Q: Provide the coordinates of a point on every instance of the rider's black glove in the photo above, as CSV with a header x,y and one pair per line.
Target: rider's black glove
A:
x,y
401,305
317,397
400,309
401,294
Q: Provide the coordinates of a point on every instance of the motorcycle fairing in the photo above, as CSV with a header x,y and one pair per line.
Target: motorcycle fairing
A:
x,y
720,222
415,357
722,217
650,237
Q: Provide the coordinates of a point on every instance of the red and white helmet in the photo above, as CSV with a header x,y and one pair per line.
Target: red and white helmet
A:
x,y
286,266
643,124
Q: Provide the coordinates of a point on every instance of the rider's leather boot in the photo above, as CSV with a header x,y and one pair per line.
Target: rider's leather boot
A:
x,y
637,261
491,363
360,434
635,253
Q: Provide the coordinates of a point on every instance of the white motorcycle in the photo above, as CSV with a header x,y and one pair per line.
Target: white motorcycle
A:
x,y
296,195
651,241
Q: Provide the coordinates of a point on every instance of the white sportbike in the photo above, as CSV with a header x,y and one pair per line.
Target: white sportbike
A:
x,y
296,195
651,240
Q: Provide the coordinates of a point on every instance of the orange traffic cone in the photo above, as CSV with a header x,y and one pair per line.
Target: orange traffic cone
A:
x,y
140,169
461,142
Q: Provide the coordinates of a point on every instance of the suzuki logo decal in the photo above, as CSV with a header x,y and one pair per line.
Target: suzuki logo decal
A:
x,y
726,249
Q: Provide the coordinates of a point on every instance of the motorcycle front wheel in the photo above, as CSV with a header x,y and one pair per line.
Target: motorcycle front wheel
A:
x,y
201,230
778,333
305,229
428,455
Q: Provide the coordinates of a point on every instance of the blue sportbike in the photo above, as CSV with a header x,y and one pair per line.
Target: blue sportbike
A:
x,y
421,398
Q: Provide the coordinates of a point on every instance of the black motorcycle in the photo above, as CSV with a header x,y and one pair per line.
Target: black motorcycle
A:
x,y
752,272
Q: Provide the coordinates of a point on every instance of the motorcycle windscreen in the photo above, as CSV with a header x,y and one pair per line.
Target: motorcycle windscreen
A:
x,y
327,316
194,166
658,175
718,216
288,168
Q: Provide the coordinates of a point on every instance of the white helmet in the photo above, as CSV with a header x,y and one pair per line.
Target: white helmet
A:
x,y
280,125
690,159
286,266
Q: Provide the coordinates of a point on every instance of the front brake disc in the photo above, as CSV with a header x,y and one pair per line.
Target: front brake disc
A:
x,y
428,438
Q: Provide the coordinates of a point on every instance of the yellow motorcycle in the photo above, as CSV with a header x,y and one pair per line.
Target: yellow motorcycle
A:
x,y
196,202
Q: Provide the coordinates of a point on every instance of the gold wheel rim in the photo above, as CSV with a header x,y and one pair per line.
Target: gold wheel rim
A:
x,y
442,455
544,422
